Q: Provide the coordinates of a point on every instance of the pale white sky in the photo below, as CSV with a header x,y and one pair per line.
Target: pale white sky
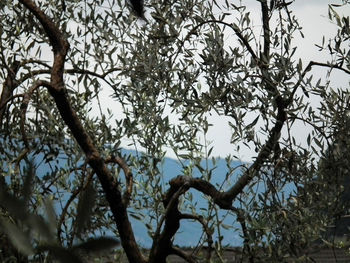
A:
x,y
313,17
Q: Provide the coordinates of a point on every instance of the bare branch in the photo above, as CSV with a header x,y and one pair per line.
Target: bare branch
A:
x,y
327,65
69,71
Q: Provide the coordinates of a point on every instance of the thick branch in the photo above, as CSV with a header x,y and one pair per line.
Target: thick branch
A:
x,y
162,245
59,93
224,199
56,38
128,177
266,28
8,87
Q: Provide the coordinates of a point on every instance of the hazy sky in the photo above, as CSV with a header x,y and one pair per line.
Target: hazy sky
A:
x,y
313,17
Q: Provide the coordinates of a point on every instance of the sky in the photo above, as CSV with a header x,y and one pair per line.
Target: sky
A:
x,y
313,17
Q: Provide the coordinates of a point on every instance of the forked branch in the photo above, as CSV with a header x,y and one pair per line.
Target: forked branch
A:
x,y
58,92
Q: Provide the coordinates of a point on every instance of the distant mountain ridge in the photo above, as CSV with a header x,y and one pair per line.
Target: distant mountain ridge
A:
x,y
190,232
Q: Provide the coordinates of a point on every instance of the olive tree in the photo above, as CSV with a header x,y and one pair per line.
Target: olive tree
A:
x,y
80,79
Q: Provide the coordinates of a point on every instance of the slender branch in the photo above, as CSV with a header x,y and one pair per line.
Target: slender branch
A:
x,y
204,224
331,66
270,86
69,71
2,106
308,68
69,201
24,107
265,152
242,220
234,27
34,61
128,176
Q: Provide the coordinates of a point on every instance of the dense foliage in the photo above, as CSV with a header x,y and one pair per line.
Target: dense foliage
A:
x,y
81,79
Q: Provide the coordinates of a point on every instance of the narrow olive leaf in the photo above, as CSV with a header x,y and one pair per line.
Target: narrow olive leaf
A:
x,y
14,206
98,244
40,227
18,238
51,216
85,207
253,123
29,171
62,254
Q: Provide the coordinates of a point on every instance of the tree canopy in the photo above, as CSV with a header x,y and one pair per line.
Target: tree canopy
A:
x,y
83,79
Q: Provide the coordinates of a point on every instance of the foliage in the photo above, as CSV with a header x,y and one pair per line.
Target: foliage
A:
x,y
164,77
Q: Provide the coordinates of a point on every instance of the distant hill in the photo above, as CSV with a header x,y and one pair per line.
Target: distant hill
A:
x,y
190,232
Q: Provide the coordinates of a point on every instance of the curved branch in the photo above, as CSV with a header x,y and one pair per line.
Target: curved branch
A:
x,y
59,93
69,201
224,199
34,61
163,241
232,26
24,107
57,41
206,230
203,186
308,68
69,71
128,176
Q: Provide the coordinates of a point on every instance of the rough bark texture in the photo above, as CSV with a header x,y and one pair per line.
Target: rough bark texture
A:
x,y
57,90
